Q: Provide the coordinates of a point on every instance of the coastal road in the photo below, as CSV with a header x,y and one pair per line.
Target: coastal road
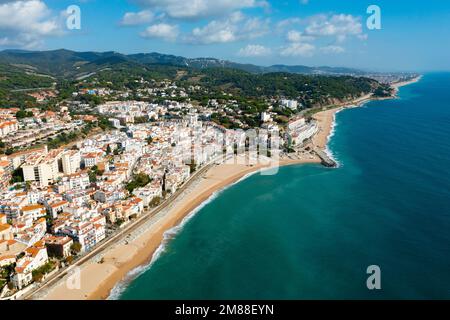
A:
x,y
120,236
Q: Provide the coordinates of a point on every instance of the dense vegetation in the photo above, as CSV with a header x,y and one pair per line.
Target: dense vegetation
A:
x,y
139,180
66,63
246,88
40,272
383,91
309,90
14,79
128,75
75,71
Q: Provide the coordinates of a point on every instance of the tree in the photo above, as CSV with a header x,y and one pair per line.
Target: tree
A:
x,y
192,167
21,114
155,202
17,176
139,180
39,273
69,259
93,173
92,176
119,222
76,247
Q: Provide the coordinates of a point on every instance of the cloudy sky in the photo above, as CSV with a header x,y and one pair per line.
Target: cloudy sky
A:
x,y
414,34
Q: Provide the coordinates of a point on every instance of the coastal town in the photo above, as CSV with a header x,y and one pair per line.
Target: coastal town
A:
x,y
223,158
58,202
97,164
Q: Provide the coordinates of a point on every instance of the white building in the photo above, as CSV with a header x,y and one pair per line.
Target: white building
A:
x,y
265,117
291,104
71,160
115,122
8,127
304,132
296,124
91,159
75,181
148,193
33,259
42,168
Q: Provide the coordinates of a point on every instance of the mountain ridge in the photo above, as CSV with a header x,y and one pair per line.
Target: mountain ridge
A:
x,y
68,63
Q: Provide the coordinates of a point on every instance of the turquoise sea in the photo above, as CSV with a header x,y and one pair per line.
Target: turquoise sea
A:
x,y
310,232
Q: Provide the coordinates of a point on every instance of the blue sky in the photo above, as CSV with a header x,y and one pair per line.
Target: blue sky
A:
x,y
414,34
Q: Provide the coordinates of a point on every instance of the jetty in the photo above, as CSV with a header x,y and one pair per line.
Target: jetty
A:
x,y
326,160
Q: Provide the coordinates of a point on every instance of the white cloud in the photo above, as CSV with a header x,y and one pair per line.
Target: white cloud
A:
x,y
296,49
318,28
288,22
297,36
26,23
137,18
161,30
233,28
339,26
332,49
222,20
254,50
363,36
214,32
195,9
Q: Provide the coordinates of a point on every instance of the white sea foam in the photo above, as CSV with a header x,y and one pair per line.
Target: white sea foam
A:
x,y
327,150
168,235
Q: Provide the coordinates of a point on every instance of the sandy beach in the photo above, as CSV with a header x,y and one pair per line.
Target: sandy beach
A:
x,y
100,274
397,85
326,118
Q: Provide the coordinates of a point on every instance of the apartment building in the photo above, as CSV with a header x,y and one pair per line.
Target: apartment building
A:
x,y
71,161
34,258
40,168
7,127
58,246
91,159
6,170
5,229
18,158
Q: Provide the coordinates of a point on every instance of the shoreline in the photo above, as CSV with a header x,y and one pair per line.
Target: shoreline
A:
x,y
327,118
112,288
122,261
398,85
118,260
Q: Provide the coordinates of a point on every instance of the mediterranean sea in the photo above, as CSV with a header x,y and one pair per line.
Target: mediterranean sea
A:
x,y
310,232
